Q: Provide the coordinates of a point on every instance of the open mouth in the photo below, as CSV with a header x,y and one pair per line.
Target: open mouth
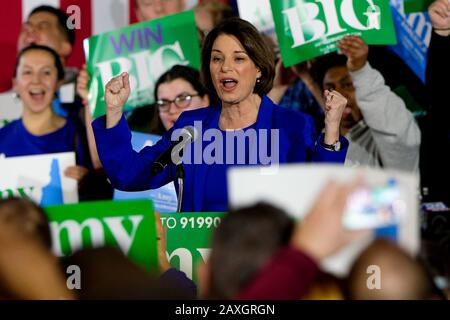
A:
x,y
37,93
229,83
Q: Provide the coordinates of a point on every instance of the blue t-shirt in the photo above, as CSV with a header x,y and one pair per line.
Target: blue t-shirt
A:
x,y
15,140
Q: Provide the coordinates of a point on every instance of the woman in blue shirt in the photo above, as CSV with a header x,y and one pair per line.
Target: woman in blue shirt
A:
x,y
38,75
238,68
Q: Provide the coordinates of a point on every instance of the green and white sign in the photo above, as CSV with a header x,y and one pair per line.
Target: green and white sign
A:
x,y
145,50
411,6
40,178
311,28
128,225
188,239
258,13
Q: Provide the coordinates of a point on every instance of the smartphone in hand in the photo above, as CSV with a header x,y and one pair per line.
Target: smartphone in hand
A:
x,y
373,207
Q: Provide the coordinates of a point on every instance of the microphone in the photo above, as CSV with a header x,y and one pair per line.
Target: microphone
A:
x,y
172,154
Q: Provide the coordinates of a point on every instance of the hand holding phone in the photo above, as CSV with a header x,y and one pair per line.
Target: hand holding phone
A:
x,y
373,207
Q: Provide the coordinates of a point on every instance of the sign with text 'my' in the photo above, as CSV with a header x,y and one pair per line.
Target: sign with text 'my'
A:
x,y
130,226
127,225
414,34
188,239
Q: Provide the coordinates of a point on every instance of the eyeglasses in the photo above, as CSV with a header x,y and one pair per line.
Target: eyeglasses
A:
x,y
182,101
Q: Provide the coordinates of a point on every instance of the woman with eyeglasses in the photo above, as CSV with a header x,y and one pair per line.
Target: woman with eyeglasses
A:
x,y
178,89
238,70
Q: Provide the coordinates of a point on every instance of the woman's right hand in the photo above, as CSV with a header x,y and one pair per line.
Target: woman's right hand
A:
x,y
117,91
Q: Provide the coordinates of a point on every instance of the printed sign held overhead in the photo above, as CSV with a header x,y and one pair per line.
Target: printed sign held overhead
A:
x,y
308,29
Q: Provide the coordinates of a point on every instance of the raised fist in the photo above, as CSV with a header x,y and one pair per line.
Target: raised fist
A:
x,y
117,91
335,104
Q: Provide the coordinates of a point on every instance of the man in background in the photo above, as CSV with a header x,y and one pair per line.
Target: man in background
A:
x,y
152,9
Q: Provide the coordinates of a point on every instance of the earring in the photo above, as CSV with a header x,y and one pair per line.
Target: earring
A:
x,y
16,96
258,80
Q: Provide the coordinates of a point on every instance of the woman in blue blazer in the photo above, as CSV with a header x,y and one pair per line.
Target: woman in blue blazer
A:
x,y
237,68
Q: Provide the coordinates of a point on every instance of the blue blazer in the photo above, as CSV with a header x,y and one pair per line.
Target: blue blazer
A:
x,y
130,170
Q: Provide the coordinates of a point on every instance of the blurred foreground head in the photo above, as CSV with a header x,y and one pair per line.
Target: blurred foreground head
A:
x,y
27,218
106,273
401,277
28,269
244,242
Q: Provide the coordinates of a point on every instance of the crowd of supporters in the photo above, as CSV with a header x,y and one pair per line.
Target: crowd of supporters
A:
x,y
258,252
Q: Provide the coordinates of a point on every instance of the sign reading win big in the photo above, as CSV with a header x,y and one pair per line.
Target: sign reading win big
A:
x,y
311,28
145,50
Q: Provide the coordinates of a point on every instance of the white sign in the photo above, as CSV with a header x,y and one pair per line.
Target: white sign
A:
x,y
40,178
10,108
295,187
258,13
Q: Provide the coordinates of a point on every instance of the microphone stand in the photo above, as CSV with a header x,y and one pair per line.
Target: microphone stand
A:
x,y
180,178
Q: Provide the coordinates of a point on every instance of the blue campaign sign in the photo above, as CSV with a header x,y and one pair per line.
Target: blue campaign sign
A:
x,y
413,35
165,198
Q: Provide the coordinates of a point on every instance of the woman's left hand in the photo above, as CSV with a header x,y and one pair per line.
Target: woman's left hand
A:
x,y
335,104
76,172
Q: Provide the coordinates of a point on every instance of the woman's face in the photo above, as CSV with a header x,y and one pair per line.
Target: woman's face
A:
x,y
176,96
233,72
36,80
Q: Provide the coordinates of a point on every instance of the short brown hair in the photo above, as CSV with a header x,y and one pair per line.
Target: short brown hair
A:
x,y
254,45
